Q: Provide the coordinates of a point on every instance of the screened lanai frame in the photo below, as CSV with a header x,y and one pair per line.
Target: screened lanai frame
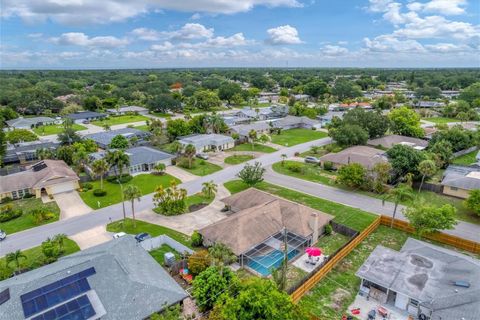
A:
x,y
274,244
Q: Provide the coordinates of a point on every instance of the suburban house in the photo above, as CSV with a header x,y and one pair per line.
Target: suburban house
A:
x,y
391,140
234,120
458,181
368,157
29,123
103,139
27,151
47,177
81,116
293,122
268,97
428,104
208,142
301,97
116,280
276,111
142,159
244,129
127,109
259,223
424,280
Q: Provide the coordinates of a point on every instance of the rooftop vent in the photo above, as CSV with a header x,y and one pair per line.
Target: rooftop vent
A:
x,y
4,296
461,283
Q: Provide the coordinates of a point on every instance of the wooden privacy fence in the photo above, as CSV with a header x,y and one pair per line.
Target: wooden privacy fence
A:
x,y
441,237
332,262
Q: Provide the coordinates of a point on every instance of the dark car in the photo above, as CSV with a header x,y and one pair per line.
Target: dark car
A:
x,y
142,236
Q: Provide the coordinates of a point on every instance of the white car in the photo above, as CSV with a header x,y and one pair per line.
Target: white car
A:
x,y
3,235
119,235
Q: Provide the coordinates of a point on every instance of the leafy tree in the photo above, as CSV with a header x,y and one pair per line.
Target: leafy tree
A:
x,y
405,159
68,136
470,93
352,175
473,201
20,135
177,128
205,100
92,103
348,135
209,189
384,103
252,135
228,90
171,200
405,121
60,239
344,88
50,250
171,313
442,153
221,255
373,122
198,262
426,168
428,92
316,88
427,219
190,152
381,175
458,137
7,113
119,142
252,174
159,168
132,193
15,257
163,103
401,193
210,284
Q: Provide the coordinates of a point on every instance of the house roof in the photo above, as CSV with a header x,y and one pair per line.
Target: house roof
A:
x,y
258,215
28,147
139,155
85,115
391,140
129,283
42,174
205,139
293,120
366,156
28,122
128,109
244,129
105,137
462,177
428,273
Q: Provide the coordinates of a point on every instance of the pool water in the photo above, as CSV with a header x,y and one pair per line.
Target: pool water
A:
x,y
273,260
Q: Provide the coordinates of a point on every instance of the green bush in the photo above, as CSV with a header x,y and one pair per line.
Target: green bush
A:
x,y
87,186
8,213
6,200
124,178
209,286
99,193
198,262
197,240
327,165
328,229
295,167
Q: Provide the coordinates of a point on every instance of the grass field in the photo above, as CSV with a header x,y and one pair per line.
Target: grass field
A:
x,y
114,120
146,182
161,114
26,221
153,229
238,158
158,253
256,147
202,168
296,136
310,172
351,217
440,120
143,128
329,244
55,129
466,159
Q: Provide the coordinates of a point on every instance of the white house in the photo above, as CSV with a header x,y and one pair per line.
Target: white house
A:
x,y
208,142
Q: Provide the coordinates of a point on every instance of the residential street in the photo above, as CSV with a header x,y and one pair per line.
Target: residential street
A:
x,y
71,226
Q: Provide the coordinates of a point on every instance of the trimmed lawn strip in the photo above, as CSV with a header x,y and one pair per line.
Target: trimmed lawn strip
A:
x,y
161,114
55,129
26,221
329,244
145,182
466,159
158,253
351,217
114,120
143,128
440,120
152,229
202,168
293,137
238,158
310,172
256,147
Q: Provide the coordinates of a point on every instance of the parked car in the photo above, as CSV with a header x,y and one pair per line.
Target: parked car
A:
x,y
310,159
203,156
3,235
86,122
119,235
142,236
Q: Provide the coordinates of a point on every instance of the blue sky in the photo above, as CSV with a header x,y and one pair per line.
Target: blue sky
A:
x,y
70,34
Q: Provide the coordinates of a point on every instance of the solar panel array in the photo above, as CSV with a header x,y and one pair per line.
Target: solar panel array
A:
x,y
76,309
4,296
56,292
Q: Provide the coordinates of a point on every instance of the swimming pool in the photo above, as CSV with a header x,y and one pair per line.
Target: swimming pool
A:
x,y
263,264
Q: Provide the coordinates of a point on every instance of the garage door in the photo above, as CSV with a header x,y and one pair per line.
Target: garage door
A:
x,y
63,187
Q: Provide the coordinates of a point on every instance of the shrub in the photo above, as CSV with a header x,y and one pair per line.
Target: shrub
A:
x,y
196,239
87,186
352,175
473,201
6,200
41,214
28,196
209,285
295,167
328,229
198,262
327,165
8,213
99,193
124,178
183,162
297,154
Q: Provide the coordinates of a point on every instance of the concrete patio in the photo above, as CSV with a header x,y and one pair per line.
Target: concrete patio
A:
x,y
366,305
302,263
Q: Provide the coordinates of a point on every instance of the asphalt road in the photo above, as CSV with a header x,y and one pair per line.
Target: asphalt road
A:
x,y
35,236
462,229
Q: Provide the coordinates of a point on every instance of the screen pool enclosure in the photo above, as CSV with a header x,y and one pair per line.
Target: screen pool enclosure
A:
x,y
269,254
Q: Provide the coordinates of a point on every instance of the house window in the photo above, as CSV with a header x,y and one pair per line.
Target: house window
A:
x,y
14,195
453,188
414,302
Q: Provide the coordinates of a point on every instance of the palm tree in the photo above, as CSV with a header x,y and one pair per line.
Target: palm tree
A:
x,y
80,158
132,193
403,192
189,152
253,136
284,157
15,257
176,147
426,168
160,168
60,239
100,167
221,255
209,189
118,160
106,127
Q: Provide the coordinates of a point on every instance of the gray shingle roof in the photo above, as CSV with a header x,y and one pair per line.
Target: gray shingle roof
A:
x,y
139,155
104,138
86,115
467,178
28,122
391,140
244,129
129,283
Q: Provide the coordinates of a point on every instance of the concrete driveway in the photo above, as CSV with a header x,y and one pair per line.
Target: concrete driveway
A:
x,y
92,237
71,205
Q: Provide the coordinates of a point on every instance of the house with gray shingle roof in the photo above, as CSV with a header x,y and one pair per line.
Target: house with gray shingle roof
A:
x,y
208,142
390,140
458,181
27,151
116,280
104,138
293,122
29,123
128,109
81,116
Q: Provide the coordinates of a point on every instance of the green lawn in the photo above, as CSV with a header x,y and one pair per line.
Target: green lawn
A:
x,y
296,136
143,128
351,217
35,258
158,253
161,114
310,172
26,221
329,244
466,159
202,168
153,229
114,120
146,182
55,129
238,158
440,120
196,199
256,147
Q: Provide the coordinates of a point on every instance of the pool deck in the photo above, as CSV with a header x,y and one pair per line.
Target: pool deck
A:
x,y
302,263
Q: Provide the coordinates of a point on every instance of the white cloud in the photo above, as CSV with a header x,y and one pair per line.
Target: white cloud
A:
x,y
445,47
196,16
283,35
191,31
146,34
81,39
107,11
389,43
379,5
331,50
444,7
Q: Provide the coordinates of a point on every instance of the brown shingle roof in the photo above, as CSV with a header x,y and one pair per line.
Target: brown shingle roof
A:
x,y
366,156
259,215
391,140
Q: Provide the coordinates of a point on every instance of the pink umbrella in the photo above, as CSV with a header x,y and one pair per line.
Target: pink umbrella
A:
x,y
313,251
